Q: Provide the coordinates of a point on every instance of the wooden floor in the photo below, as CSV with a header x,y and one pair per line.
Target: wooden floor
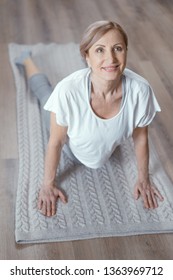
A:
x,y
149,24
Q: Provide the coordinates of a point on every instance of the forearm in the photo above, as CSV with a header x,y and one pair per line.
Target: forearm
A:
x,y
142,157
143,185
140,138
52,159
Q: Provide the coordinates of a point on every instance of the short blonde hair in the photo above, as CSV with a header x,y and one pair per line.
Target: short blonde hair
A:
x,y
95,31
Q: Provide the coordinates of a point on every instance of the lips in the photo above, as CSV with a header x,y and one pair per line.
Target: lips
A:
x,y
110,68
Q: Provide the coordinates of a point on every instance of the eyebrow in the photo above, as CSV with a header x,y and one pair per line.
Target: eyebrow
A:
x,y
105,46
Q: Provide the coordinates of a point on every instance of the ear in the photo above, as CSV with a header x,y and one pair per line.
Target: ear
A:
x,y
87,60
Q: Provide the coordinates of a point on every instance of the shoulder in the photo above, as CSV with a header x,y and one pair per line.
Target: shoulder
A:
x,y
76,80
137,86
135,81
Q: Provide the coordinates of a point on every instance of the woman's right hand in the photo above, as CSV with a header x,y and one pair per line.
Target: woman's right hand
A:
x,y
47,199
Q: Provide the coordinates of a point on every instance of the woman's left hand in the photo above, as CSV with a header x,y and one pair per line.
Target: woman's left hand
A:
x,y
149,194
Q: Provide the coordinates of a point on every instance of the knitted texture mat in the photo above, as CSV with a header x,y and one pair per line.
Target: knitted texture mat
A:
x,y
100,201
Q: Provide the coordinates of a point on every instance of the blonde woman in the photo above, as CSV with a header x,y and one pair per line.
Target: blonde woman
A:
x,y
93,110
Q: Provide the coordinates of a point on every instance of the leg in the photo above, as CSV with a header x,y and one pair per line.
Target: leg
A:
x,y
39,85
41,88
30,67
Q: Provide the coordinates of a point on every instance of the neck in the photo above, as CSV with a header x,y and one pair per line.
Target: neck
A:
x,y
102,87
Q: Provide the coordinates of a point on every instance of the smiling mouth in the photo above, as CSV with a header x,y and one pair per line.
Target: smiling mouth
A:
x,y
110,68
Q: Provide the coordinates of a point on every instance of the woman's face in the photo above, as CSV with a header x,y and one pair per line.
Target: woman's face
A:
x,y
107,57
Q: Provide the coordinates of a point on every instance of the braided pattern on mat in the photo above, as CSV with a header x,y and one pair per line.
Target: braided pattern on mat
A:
x,y
109,195
100,202
92,198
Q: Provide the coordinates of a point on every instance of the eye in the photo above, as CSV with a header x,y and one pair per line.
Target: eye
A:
x,y
100,50
118,49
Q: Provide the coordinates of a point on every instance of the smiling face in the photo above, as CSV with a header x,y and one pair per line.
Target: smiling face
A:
x,y
107,56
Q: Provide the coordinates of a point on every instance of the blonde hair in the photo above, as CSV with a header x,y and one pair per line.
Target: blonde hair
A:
x,y
95,31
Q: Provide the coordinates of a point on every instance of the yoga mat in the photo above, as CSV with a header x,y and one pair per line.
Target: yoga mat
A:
x,y
100,202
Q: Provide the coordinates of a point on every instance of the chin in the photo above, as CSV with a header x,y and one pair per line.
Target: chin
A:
x,y
112,77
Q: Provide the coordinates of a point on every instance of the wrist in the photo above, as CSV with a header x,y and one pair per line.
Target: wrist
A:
x,y
143,177
48,184
143,174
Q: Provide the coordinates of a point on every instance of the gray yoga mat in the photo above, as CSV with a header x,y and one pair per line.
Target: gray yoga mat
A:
x,y
100,202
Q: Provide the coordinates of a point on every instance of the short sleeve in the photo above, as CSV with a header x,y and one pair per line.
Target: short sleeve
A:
x,y
57,103
147,107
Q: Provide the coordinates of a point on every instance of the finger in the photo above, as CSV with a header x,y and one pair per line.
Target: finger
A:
x,y
44,208
145,199
48,208
136,193
151,199
158,194
40,202
154,200
53,207
62,196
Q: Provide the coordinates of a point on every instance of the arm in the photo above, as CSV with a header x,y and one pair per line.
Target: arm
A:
x,y
49,193
143,186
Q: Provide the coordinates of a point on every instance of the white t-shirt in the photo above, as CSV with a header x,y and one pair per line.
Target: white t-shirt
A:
x,y
92,139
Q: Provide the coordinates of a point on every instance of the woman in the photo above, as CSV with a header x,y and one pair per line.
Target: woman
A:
x,y
93,110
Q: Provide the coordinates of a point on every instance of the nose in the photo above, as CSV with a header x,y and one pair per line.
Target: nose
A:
x,y
111,56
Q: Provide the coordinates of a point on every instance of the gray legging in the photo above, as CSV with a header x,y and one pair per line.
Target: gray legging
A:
x,y
42,89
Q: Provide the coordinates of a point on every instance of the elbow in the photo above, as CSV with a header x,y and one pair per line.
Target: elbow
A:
x,y
140,138
56,144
